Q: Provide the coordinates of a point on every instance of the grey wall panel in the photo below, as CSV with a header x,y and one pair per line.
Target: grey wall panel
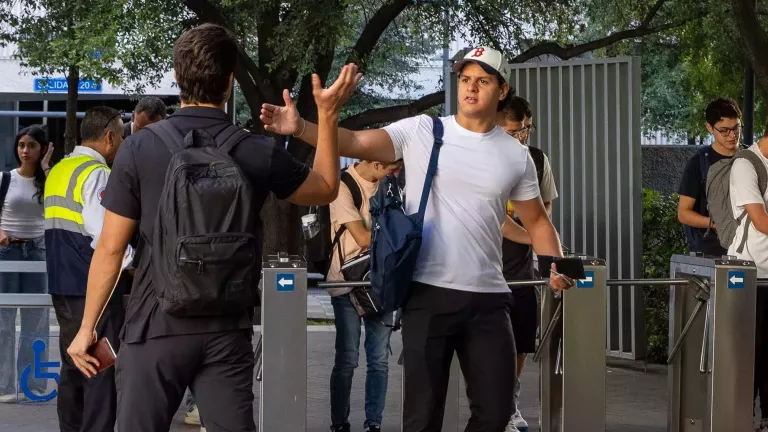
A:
x,y
588,117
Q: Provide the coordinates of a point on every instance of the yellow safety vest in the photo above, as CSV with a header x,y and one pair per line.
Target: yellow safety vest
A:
x,y
63,197
69,252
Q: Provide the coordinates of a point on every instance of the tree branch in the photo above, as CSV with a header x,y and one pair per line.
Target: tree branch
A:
x,y
754,37
570,51
652,13
390,114
373,31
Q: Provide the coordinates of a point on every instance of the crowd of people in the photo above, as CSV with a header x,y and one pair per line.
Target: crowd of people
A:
x,y
129,212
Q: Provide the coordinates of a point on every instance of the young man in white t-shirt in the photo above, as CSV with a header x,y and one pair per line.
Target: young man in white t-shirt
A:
x,y
746,196
459,299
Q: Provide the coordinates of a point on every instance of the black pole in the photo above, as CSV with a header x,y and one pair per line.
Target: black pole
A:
x,y
749,105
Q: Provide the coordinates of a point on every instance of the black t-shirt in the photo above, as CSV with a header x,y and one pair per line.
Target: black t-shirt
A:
x,y
693,184
517,262
133,191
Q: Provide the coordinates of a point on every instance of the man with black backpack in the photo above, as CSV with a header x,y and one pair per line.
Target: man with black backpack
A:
x,y
351,235
194,184
516,118
459,300
723,121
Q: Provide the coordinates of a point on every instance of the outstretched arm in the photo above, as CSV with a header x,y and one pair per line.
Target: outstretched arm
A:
x,y
374,144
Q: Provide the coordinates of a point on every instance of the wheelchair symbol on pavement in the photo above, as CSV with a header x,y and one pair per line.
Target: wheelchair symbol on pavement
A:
x,y
36,368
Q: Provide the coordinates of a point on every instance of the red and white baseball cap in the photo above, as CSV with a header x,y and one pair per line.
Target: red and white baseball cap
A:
x,y
489,59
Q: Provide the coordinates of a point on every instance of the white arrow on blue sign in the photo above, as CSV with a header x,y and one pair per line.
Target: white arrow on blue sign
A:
x,y
588,281
735,279
285,281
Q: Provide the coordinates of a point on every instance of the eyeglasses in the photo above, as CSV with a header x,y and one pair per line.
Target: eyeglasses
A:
x,y
727,131
118,114
526,131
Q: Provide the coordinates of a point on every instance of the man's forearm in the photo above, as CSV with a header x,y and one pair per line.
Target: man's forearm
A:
x,y
327,162
514,232
693,219
102,278
346,140
544,238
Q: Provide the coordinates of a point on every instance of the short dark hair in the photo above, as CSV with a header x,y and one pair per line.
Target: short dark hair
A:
x,y
96,120
722,108
204,58
152,106
517,109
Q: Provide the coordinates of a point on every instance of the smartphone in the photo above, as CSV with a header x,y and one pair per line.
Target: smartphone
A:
x,y
571,267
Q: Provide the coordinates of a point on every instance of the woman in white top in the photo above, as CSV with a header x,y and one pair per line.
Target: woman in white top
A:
x,y
22,239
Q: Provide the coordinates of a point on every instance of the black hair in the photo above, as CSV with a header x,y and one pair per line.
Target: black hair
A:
x,y
152,106
39,134
517,109
722,108
204,60
96,120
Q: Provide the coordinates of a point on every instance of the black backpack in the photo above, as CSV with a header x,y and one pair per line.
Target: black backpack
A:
x,y
321,246
203,251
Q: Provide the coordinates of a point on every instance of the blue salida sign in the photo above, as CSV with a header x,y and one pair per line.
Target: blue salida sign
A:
x,y
60,85
286,281
735,279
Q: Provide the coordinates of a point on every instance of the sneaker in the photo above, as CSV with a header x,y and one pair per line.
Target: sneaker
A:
x,y
511,428
13,398
340,428
372,428
193,416
519,421
202,429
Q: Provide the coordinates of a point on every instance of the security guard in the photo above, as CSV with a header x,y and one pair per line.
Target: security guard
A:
x,y
73,221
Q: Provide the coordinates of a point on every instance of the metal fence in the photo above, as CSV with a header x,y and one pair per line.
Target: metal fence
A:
x,y
587,114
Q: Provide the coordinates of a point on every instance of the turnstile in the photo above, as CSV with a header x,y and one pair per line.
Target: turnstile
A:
x,y
571,354
712,344
283,346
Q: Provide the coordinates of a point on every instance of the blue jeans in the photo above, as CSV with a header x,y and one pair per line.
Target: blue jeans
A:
x,y
34,322
377,333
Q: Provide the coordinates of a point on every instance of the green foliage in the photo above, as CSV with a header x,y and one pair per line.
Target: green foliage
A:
x,y
662,237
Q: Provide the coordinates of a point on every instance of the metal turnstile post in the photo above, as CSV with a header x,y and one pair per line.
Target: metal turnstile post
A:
x,y
712,344
572,356
283,397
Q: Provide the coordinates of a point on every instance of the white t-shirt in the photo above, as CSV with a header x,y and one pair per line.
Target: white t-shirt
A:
x,y
22,214
744,190
476,174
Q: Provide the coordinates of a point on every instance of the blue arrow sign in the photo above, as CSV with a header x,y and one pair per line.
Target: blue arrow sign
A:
x,y
736,279
286,282
588,281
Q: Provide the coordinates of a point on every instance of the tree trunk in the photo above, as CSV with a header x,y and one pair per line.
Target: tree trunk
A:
x,y
70,135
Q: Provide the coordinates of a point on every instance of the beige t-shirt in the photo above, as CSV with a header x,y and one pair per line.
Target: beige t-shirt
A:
x,y
343,211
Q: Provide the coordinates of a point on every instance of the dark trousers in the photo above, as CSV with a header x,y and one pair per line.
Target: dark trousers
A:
x,y
761,352
153,375
438,322
86,405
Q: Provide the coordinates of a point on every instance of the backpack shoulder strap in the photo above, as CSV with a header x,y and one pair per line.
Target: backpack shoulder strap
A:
x,y
4,184
437,131
168,134
757,164
703,154
538,159
354,188
230,137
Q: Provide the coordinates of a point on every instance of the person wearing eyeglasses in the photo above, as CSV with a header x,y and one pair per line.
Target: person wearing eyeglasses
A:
x,y
723,121
516,119
73,221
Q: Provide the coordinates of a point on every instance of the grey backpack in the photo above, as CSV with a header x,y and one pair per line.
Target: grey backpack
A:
x,y
719,197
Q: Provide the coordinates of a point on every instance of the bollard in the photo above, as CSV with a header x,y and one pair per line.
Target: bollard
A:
x,y
283,396
712,344
572,357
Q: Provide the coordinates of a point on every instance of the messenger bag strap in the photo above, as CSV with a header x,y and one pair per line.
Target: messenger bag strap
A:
x,y
437,130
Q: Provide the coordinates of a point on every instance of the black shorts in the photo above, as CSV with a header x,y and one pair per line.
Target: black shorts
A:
x,y
524,315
